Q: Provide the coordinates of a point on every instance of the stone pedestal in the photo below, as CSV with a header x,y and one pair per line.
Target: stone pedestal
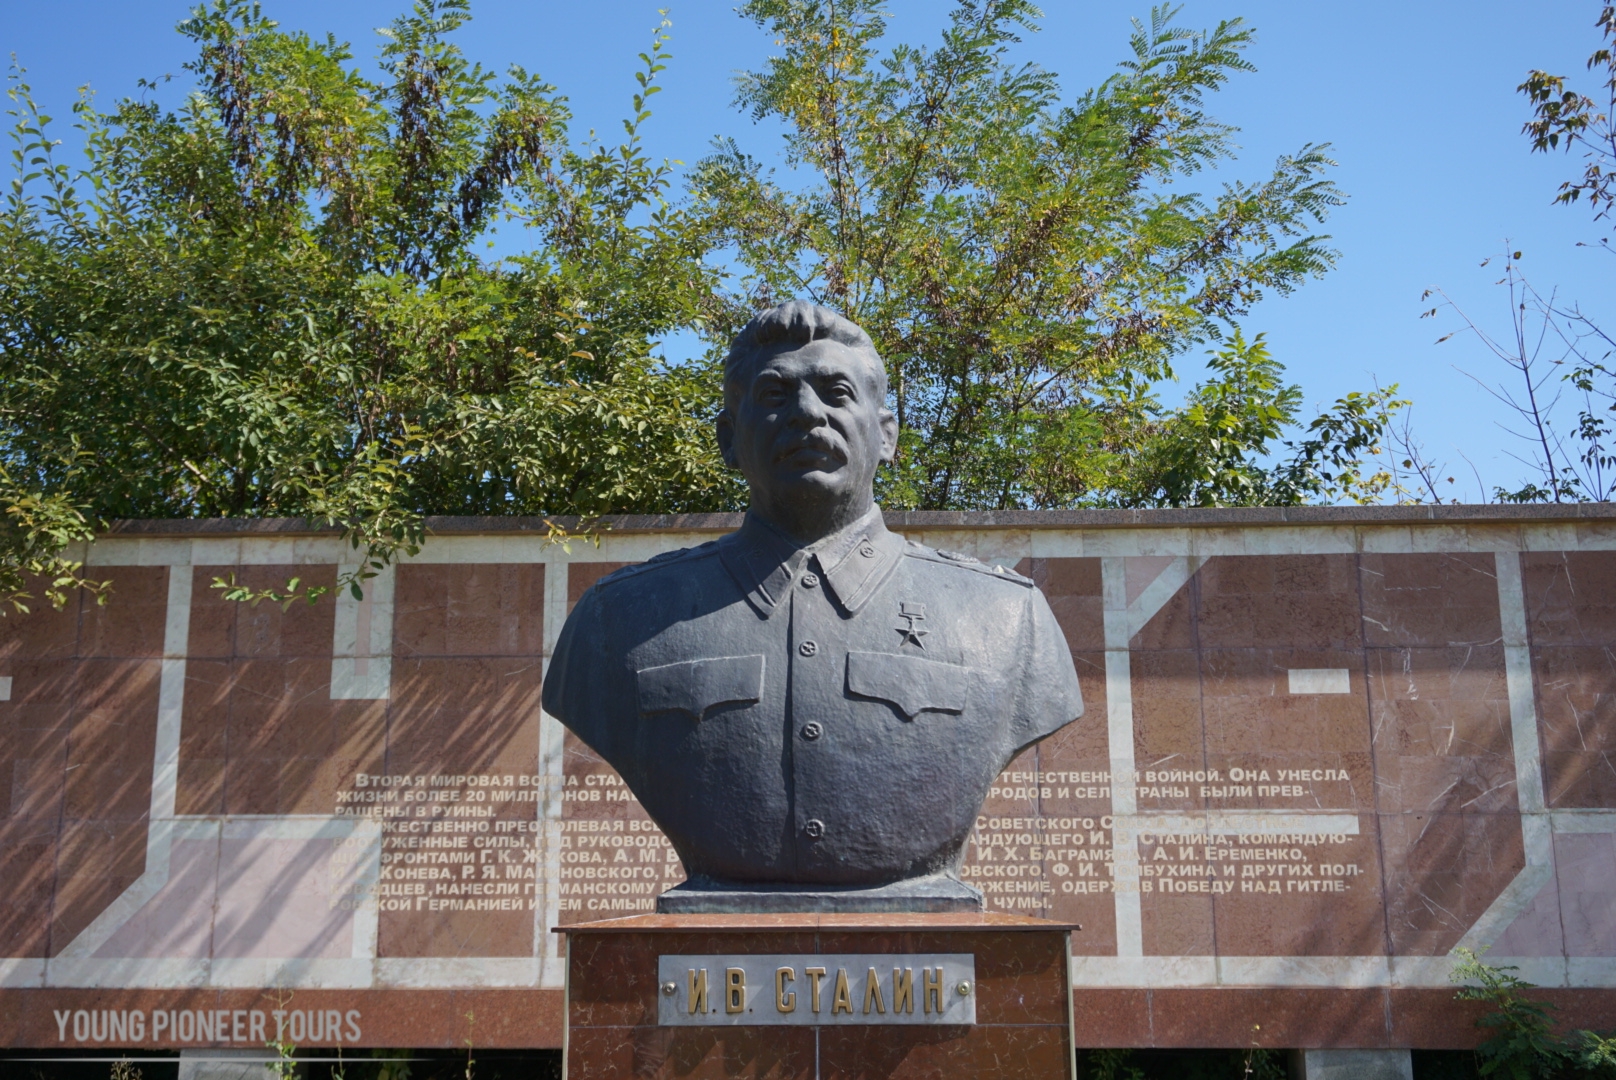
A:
x,y
690,996
227,1065
1352,1065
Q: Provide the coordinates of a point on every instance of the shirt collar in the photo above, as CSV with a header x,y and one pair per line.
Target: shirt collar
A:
x,y
852,562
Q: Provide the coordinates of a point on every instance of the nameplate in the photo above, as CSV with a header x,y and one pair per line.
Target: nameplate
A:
x,y
817,989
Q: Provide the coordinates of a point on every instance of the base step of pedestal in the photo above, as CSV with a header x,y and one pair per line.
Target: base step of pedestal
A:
x,y
933,894
1354,1065
225,1065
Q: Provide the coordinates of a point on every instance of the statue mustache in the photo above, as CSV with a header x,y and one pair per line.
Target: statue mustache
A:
x,y
813,441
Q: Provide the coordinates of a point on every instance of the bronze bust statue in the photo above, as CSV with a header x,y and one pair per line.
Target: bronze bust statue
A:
x,y
812,708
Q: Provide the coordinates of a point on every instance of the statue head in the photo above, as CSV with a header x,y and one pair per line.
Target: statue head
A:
x,y
805,418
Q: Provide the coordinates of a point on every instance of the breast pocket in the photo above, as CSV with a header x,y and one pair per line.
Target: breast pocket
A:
x,y
908,683
697,686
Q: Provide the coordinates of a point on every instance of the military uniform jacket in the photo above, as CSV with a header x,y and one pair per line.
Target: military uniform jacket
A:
x,y
826,715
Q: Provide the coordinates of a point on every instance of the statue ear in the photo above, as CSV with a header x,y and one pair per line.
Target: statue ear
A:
x,y
724,429
889,436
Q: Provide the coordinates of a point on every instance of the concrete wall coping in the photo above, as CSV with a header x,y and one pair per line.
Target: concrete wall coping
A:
x,y
1211,517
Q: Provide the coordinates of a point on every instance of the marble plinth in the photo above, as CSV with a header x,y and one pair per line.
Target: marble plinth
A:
x,y
700,896
1022,991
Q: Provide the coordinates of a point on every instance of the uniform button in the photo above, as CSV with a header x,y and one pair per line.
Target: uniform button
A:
x,y
812,730
867,551
808,648
810,580
814,828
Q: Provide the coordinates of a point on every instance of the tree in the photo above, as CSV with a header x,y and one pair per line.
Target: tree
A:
x,y
1554,349
1569,120
268,302
1523,1044
1029,270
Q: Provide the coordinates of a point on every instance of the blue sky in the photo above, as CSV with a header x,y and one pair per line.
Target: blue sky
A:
x,y
1417,99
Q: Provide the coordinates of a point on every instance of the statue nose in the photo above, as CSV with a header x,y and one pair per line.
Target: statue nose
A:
x,y
808,410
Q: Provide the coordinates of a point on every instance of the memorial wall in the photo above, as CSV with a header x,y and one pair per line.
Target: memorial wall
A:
x,y
1323,748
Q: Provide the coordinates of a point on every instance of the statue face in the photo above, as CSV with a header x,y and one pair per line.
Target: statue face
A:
x,y
809,424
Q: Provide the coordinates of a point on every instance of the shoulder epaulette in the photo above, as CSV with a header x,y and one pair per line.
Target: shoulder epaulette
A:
x,y
656,561
964,562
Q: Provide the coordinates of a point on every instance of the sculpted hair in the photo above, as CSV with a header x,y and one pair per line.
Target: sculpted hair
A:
x,y
796,322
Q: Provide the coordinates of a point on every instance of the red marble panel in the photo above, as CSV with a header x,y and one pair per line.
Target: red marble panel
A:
x,y
458,715
1010,872
213,618
32,777
1442,872
1072,587
1278,601
1570,597
694,1053
1430,600
358,741
132,621
287,746
468,609
309,785
75,741
204,729
280,707
1083,744
1172,627
34,727
229,628
42,633
1442,734
200,786
581,575
1576,699
1262,895
1173,923
457,933
1430,1019
465,715
1074,769
1068,776
260,733
1579,779
595,793
113,738
1253,722
1168,728
252,785
442,1019
1111,1018
95,862
28,869
1330,901
984,1052
1276,1018
205,715
42,693
588,781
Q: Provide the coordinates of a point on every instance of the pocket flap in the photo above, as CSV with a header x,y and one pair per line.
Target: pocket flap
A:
x,y
695,686
909,683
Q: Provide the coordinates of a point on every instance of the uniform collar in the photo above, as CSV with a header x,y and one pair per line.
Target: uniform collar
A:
x,y
852,562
